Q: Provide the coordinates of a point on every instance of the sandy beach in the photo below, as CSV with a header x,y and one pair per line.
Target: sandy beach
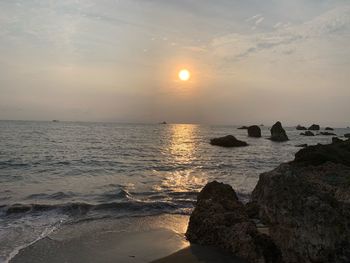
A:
x,y
129,240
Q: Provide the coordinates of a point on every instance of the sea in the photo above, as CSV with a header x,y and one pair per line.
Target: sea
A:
x,y
58,173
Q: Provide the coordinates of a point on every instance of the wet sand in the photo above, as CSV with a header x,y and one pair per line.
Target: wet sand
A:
x,y
199,254
129,240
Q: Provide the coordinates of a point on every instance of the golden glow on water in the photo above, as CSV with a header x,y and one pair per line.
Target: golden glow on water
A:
x,y
182,144
182,153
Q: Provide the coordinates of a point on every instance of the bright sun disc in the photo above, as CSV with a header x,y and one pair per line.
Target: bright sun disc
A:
x,y
184,75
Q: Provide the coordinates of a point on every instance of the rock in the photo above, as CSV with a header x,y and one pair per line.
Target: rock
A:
x,y
219,219
243,128
301,145
327,133
254,131
347,135
314,127
227,141
329,129
320,154
336,140
306,203
307,133
278,134
301,128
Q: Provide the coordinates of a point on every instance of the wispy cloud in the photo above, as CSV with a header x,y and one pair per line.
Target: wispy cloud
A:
x,y
233,47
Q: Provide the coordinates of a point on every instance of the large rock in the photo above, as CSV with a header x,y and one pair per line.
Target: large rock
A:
x,y
307,133
219,219
228,141
314,127
254,131
301,128
347,135
307,204
278,134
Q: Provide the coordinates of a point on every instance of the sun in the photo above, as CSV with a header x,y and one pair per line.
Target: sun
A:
x,y
184,75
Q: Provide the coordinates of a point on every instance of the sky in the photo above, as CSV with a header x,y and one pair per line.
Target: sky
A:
x,y
251,61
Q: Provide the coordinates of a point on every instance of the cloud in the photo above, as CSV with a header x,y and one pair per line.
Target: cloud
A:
x,y
233,47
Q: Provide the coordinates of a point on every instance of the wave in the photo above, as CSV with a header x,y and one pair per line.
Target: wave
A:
x,y
81,208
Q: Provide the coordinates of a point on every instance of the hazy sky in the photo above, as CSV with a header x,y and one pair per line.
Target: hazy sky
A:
x,y
251,61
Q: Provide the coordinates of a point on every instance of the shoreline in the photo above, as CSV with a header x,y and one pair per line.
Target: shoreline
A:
x,y
110,240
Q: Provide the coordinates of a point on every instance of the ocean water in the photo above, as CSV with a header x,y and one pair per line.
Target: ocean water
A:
x,y
57,173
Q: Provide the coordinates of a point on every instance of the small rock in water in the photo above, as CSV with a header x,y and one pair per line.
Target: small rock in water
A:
x,y
307,133
301,145
327,133
314,127
228,141
254,131
329,129
278,134
301,128
243,128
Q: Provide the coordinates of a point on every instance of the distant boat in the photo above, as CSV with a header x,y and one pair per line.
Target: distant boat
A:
x,y
55,120
164,122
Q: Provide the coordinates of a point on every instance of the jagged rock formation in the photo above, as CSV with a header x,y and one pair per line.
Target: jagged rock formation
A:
x,y
307,204
220,219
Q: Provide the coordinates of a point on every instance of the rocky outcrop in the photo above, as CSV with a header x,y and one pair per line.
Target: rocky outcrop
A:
x,y
347,135
328,133
306,203
278,134
329,129
254,131
314,127
307,133
227,141
301,128
220,219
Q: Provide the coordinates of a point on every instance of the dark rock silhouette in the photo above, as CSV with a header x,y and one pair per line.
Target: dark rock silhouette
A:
x,y
314,127
328,133
228,141
220,219
278,134
329,129
301,128
306,202
243,128
347,135
254,131
307,133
